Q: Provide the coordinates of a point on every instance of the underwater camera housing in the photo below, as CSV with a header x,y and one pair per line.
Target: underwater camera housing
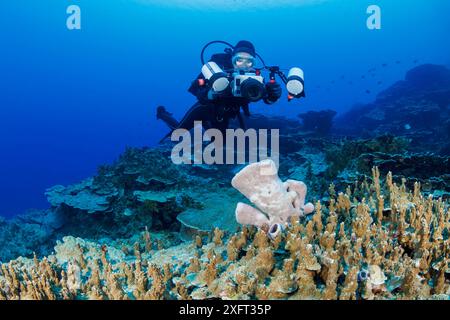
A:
x,y
249,85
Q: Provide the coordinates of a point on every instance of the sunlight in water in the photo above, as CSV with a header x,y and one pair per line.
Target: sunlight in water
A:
x,y
230,5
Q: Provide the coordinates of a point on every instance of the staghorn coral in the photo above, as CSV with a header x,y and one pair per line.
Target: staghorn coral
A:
x,y
346,250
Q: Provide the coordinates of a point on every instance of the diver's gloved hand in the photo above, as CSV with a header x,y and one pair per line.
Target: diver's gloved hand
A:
x,y
273,90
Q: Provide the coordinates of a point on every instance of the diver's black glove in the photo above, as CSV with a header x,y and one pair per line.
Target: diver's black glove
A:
x,y
273,91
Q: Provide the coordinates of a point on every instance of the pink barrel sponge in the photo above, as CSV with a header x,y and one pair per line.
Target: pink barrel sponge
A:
x,y
275,199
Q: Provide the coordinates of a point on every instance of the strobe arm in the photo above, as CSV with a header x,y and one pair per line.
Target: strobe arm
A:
x,y
282,77
275,70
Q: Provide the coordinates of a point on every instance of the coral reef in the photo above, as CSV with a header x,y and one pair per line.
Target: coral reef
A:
x,y
28,233
340,154
376,240
319,122
143,187
193,200
353,160
200,199
417,107
121,190
143,228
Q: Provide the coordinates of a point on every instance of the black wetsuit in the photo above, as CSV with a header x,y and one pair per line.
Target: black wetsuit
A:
x,y
213,113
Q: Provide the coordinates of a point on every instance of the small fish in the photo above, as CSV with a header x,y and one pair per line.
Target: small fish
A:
x,y
379,82
363,77
368,91
384,65
342,77
397,62
407,126
415,61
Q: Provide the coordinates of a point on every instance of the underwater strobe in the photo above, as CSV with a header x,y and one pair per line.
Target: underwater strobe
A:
x,y
295,83
215,76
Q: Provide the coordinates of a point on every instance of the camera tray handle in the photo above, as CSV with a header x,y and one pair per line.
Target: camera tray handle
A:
x,y
275,70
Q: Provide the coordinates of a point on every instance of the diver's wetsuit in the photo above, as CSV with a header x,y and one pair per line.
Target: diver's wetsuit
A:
x,y
213,113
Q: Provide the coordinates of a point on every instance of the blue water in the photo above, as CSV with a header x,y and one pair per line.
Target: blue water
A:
x,y
72,100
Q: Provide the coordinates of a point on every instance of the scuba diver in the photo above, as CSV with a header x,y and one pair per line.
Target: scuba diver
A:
x,y
228,82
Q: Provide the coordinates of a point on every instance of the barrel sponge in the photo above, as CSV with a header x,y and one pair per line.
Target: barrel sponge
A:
x,y
276,201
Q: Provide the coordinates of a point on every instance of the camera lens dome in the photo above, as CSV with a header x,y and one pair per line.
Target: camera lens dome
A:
x,y
252,90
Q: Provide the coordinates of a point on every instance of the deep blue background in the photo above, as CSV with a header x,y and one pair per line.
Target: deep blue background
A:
x,y
72,100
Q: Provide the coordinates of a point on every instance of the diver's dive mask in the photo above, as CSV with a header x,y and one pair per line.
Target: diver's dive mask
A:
x,y
243,61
